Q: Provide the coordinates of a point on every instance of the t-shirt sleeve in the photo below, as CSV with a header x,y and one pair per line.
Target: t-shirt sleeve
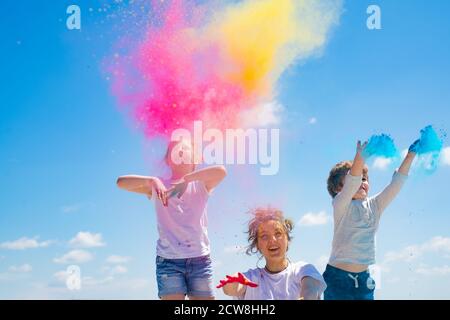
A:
x,y
342,200
385,197
308,270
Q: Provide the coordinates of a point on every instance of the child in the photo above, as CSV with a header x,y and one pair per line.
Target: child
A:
x,y
269,233
183,265
356,219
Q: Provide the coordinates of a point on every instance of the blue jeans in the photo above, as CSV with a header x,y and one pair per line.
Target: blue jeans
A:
x,y
192,276
343,285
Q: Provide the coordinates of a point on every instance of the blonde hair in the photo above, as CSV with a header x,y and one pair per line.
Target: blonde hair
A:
x,y
263,214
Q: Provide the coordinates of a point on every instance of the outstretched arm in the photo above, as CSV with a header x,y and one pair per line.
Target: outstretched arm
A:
x,y
310,289
135,183
236,285
358,161
234,289
385,197
143,185
352,182
406,164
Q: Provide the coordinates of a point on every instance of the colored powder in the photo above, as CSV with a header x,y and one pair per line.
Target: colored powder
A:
x,y
380,146
429,149
430,141
215,64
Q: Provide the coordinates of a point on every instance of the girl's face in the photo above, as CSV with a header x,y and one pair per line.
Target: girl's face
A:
x,y
180,157
272,240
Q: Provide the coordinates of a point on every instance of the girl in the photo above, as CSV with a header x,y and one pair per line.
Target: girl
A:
x,y
183,265
269,233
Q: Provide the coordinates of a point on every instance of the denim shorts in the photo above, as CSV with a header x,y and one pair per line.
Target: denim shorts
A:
x,y
192,277
343,285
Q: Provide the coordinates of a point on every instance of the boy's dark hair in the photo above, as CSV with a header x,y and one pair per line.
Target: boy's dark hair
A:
x,y
336,177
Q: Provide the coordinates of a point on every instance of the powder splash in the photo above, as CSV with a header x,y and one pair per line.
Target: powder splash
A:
x,y
213,63
381,146
429,149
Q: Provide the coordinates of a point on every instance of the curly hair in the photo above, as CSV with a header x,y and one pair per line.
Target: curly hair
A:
x,y
263,214
335,180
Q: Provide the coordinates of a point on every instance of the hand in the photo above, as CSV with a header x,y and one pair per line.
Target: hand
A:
x,y
414,147
361,147
239,279
178,188
161,191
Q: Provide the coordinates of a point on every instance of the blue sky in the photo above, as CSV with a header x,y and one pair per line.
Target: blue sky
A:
x,y
64,141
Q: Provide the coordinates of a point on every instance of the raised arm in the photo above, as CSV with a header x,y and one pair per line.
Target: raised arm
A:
x,y
358,161
352,182
143,185
407,162
385,197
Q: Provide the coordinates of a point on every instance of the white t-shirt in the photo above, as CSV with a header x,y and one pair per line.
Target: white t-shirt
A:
x,y
182,225
285,285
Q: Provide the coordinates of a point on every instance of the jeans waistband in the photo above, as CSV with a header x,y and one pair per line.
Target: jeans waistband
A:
x,y
330,268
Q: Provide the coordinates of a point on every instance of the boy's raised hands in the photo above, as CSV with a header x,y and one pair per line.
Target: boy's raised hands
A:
x,y
361,147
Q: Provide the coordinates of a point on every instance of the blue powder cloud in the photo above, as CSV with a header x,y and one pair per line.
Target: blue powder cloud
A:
x,y
429,149
381,146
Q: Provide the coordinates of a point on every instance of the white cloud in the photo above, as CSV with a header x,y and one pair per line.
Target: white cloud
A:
x,y
114,270
314,219
437,244
61,276
234,249
119,270
17,273
381,163
434,271
87,240
25,243
115,259
21,269
262,115
92,282
445,156
313,120
106,287
87,281
74,256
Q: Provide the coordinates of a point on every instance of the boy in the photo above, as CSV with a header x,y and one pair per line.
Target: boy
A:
x,y
356,219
